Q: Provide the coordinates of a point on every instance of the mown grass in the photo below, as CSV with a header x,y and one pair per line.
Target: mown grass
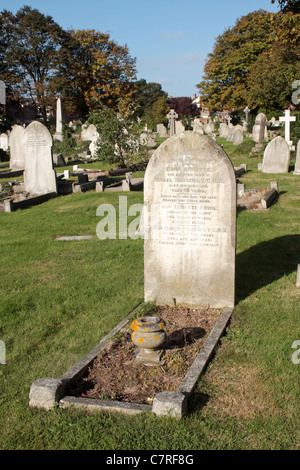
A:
x,y
58,299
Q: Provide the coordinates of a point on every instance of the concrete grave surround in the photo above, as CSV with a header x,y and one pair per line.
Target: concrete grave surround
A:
x,y
16,147
39,175
276,156
190,224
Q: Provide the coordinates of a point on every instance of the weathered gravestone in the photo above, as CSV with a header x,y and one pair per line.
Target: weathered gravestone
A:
x,y
238,137
162,130
16,147
297,164
39,175
172,116
59,121
259,128
276,156
4,141
190,224
223,130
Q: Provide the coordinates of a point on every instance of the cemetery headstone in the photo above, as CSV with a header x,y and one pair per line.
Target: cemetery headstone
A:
x,y
247,111
297,164
161,130
238,137
223,130
172,116
258,130
39,175
189,223
276,156
4,141
16,147
179,127
59,133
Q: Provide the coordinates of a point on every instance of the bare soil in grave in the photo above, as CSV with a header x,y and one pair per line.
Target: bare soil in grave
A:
x,y
114,376
251,201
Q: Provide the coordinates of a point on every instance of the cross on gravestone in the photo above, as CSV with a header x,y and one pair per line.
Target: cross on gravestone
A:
x,y
172,116
247,111
287,119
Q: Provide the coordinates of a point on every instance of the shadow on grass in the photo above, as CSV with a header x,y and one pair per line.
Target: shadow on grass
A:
x,y
265,263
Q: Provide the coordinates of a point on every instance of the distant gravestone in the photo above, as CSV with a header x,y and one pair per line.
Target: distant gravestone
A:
x,y
297,164
238,137
198,126
16,147
4,141
162,130
172,116
258,131
59,121
223,130
89,133
276,156
39,175
179,127
189,222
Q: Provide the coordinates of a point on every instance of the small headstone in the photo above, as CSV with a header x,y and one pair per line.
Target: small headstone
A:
x,y
89,133
179,127
161,130
39,175
190,224
4,141
298,276
297,164
16,147
238,137
258,131
83,179
276,156
223,130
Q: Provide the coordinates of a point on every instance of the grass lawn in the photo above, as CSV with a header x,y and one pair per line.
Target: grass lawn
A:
x,y
58,299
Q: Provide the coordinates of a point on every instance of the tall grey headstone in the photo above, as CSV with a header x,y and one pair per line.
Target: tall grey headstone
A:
x,y
190,224
258,130
297,164
59,121
39,175
16,147
276,156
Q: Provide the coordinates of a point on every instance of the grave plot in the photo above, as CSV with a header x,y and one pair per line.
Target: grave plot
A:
x,y
257,199
189,270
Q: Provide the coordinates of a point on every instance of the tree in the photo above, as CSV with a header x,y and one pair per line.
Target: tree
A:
x,y
95,71
118,134
288,5
151,102
183,106
225,82
32,45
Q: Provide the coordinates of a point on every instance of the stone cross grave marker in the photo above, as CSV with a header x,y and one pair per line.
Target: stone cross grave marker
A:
x,y
247,111
287,119
16,147
276,156
172,116
39,175
189,222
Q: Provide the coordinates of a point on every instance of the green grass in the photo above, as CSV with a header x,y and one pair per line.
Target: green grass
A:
x,y
58,299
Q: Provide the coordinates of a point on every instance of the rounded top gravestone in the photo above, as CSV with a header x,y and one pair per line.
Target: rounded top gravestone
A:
x,y
190,224
39,175
276,156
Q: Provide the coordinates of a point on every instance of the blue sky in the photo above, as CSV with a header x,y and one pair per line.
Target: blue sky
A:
x,y
169,38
